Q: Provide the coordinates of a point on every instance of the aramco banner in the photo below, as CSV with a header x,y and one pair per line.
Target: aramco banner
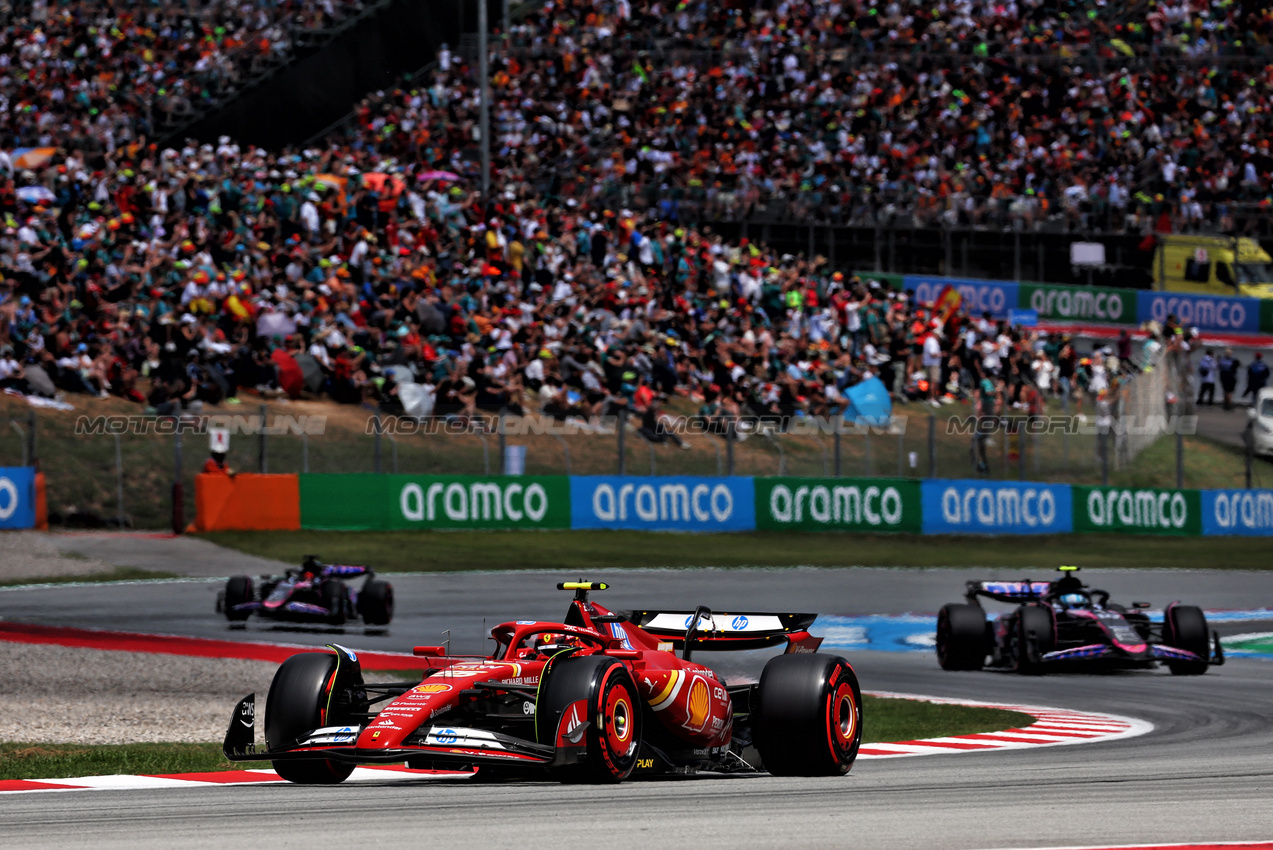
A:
x,y
434,501
838,504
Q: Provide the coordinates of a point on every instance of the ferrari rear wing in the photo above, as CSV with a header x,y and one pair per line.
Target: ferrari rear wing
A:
x,y
719,630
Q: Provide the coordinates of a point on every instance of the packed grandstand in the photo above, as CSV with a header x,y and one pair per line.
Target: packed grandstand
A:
x,y
589,279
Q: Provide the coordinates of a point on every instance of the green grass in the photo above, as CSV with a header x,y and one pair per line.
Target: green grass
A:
x,y
908,720
118,574
58,761
883,720
585,552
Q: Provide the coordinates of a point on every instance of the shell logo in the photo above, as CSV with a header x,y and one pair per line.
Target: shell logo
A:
x,y
432,689
699,704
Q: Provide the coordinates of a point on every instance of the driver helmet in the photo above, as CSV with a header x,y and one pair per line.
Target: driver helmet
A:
x,y
1074,600
548,639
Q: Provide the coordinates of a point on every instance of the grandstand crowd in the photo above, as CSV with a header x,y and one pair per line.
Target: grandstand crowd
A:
x,y
368,268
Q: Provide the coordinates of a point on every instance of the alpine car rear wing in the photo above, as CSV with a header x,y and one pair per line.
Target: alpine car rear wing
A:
x,y
1007,591
723,631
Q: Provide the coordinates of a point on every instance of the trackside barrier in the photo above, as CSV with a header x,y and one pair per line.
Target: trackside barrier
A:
x,y
246,502
22,502
434,501
996,507
701,504
839,504
1088,304
671,503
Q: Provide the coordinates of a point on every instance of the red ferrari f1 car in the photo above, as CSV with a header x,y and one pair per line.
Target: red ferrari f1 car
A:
x,y
595,698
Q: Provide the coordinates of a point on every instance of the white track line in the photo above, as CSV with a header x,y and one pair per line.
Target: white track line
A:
x,y
1053,727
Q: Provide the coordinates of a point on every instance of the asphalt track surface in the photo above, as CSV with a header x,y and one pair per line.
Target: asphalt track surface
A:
x,y
1204,774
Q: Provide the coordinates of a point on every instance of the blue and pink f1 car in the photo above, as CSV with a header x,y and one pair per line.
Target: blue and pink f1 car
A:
x,y
1066,623
315,593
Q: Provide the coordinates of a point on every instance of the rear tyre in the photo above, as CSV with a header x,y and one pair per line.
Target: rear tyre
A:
x,y
237,591
807,718
296,704
375,603
336,601
1185,627
961,637
613,711
1035,637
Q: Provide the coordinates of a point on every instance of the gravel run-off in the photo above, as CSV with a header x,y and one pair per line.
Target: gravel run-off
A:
x,y
55,694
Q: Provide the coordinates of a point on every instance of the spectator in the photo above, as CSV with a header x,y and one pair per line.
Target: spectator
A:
x,y
1229,366
1257,375
1207,379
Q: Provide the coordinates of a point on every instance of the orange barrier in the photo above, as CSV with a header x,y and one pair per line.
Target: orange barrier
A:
x,y
41,503
246,502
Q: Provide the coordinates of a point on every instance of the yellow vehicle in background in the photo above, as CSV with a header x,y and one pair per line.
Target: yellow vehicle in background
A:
x,y
1213,265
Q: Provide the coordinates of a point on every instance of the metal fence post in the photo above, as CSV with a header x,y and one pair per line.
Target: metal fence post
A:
x,y
1248,440
119,480
503,438
1020,453
32,459
932,446
178,489
1180,460
377,427
623,428
838,429
901,452
720,469
22,435
565,451
730,429
261,462
782,455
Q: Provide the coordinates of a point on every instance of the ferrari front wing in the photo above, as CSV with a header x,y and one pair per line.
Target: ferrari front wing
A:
x,y
451,745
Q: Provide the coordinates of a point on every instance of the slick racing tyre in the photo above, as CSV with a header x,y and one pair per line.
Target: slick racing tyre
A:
x,y
375,603
1185,627
807,717
1034,638
336,600
298,703
237,591
613,712
961,637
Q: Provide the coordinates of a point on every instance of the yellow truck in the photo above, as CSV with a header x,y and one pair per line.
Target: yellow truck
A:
x,y
1206,265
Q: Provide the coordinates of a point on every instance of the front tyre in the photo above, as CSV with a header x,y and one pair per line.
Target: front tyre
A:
x,y
1185,627
961,637
1035,637
807,720
336,600
613,711
238,590
375,603
298,703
